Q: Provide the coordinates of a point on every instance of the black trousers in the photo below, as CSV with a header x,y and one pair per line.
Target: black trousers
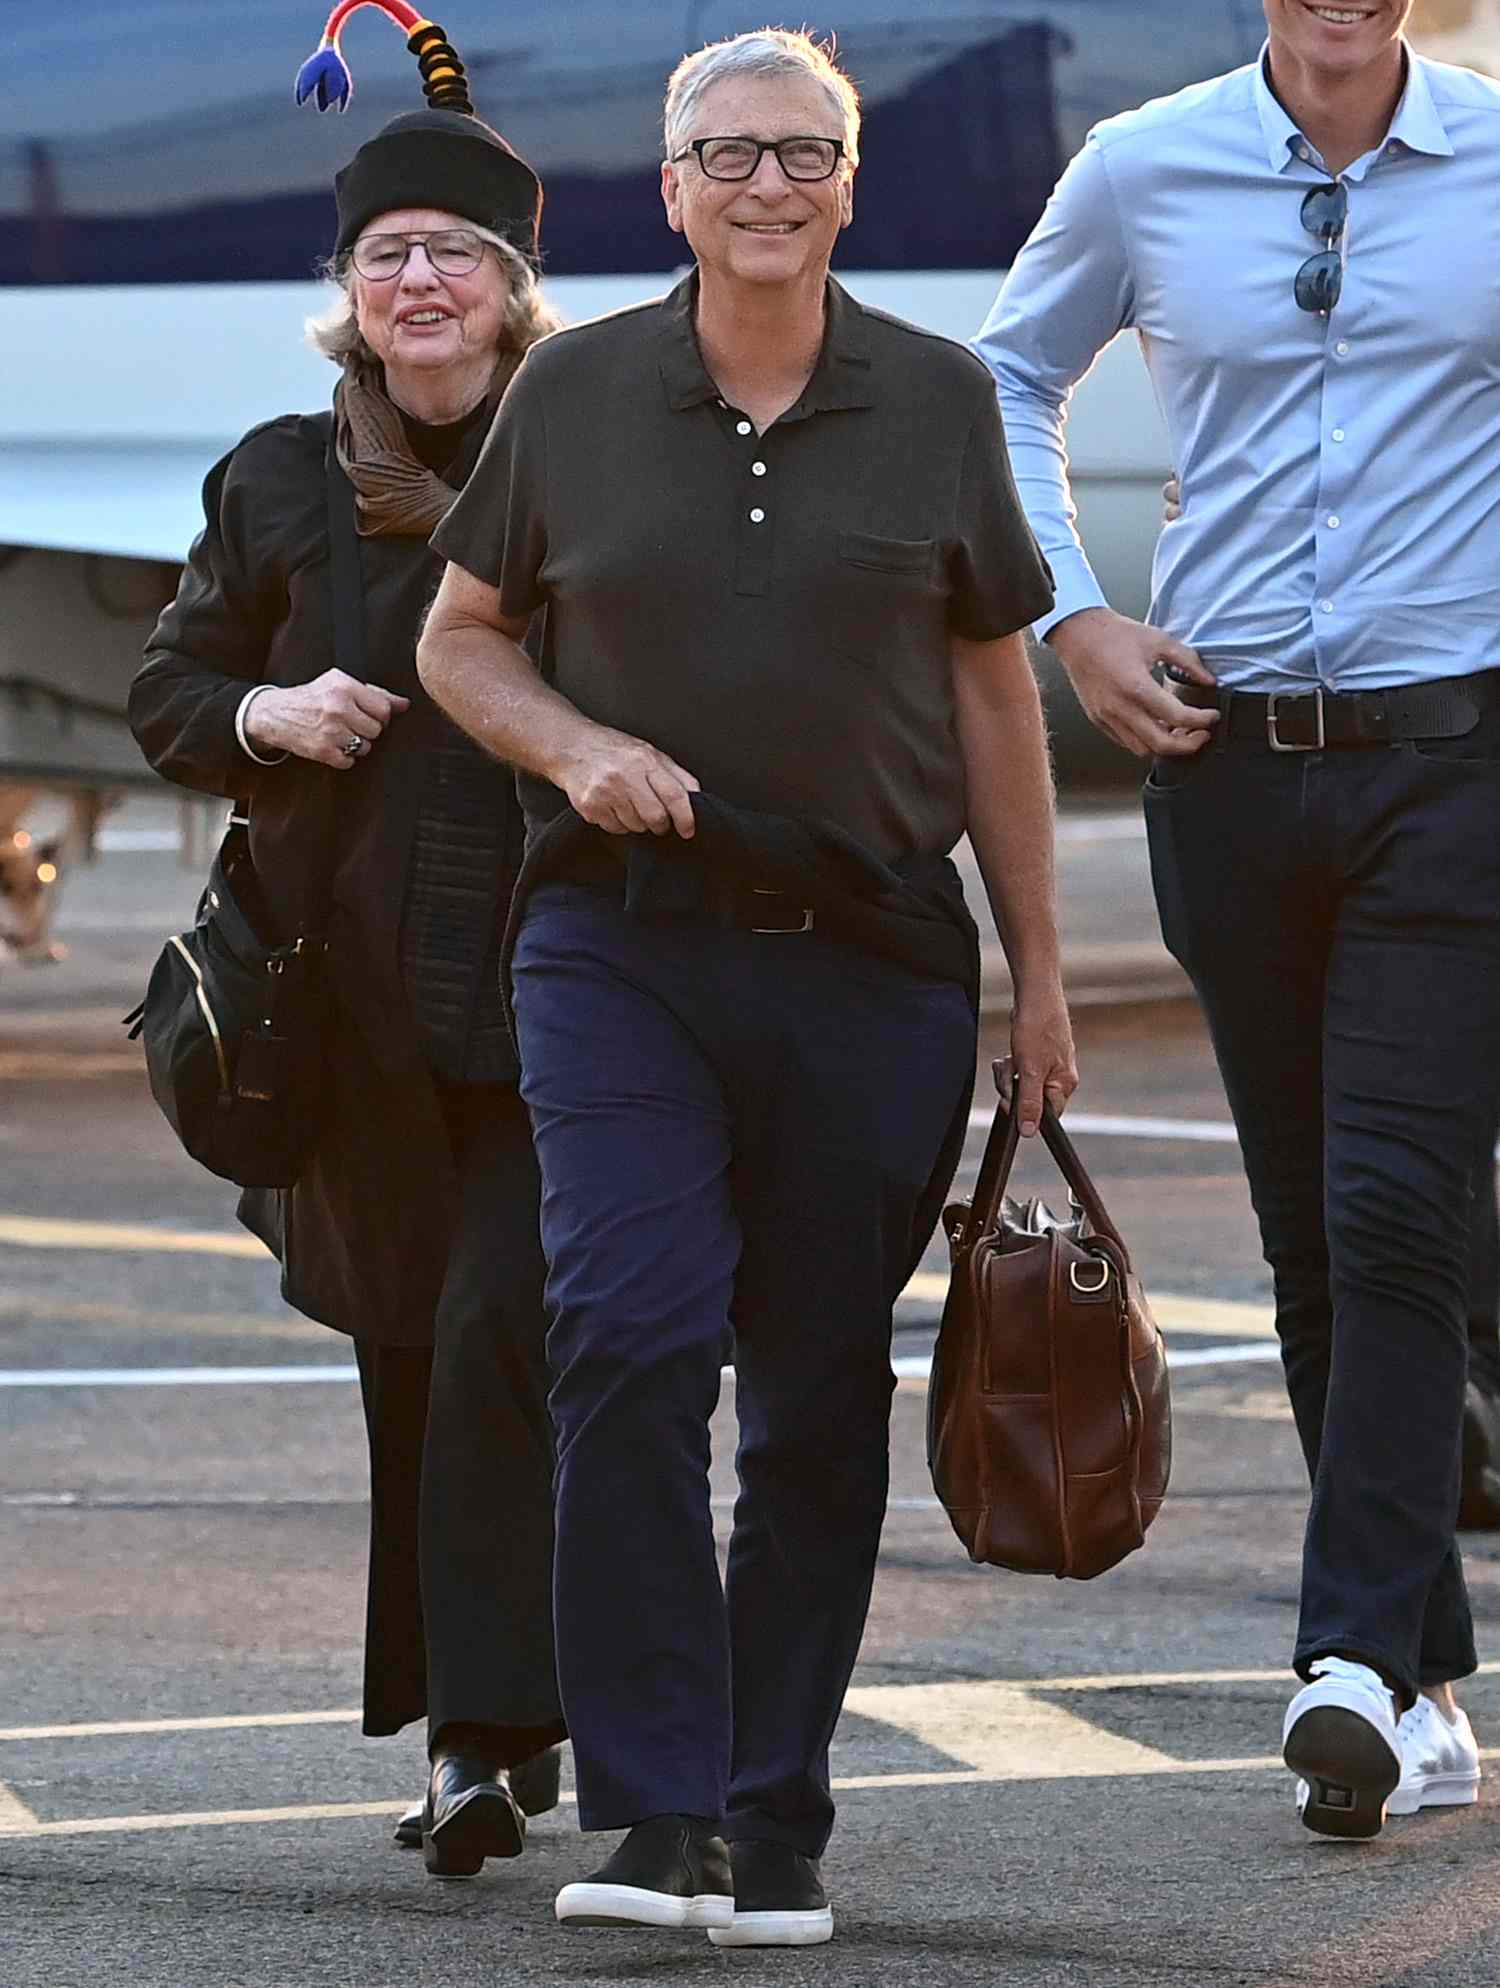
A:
x,y
1339,914
736,1133
460,1607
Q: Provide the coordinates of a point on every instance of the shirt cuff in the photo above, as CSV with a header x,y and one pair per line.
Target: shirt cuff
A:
x,y
1075,589
239,728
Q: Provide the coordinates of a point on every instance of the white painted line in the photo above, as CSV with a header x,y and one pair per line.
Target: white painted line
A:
x,y
1029,1770
172,1376
1101,828
227,1723
1113,1125
905,1366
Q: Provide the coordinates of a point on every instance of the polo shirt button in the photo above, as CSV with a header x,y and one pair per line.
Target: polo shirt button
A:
x,y
1327,606
742,427
1334,521
1338,434
757,469
1342,348
757,516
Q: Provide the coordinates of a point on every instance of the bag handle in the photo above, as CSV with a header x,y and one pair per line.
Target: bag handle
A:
x,y
1000,1157
347,603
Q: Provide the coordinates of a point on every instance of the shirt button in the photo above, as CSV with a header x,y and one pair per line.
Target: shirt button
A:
x,y
1327,606
1338,434
1333,521
757,516
1342,348
742,427
757,469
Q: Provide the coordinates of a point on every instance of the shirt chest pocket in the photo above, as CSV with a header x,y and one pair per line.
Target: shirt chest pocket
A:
x,y
902,558
890,606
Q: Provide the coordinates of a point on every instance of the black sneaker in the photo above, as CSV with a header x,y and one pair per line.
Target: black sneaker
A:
x,y
672,1870
779,1899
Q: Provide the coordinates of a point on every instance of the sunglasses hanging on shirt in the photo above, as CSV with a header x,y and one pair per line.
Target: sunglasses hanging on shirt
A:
x,y
1320,280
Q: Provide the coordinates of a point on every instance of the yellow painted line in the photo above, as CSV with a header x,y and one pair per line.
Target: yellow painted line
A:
x,y
15,1818
54,1232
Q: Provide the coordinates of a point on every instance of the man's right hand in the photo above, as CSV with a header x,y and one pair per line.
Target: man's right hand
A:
x,y
1109,659
627,787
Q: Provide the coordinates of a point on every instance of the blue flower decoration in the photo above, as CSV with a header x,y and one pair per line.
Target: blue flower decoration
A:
x,y
327,73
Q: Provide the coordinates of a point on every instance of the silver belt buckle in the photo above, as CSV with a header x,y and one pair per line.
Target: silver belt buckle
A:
x,y
773,931
1273,729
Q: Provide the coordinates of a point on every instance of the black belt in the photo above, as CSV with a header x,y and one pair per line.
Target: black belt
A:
x,y
717,901
1302,721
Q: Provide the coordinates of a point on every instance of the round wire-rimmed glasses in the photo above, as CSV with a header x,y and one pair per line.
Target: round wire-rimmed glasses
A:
x,y
451,251
739,158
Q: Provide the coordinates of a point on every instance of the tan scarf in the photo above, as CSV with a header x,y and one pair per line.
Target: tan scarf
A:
x,y
395,496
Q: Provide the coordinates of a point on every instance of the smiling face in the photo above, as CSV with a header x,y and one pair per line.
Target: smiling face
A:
x,y
767,229
1335,39
420,321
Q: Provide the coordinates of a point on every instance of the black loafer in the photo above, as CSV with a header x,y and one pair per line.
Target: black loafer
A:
x,y
672,1870
779,1900
1479,1496
469,1815
537,1783
409,1827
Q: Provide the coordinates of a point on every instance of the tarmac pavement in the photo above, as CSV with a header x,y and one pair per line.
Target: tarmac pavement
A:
x,y
1055,1784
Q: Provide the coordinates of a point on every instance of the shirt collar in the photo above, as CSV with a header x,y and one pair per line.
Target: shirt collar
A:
x,y
840,379
1417,124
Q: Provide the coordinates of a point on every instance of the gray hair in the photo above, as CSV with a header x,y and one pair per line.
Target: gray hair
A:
x,y
766,52
528,315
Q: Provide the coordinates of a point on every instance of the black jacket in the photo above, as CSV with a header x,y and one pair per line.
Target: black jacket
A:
x,y
363,1237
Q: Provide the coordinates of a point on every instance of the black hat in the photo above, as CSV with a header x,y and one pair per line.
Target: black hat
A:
x,y
440,157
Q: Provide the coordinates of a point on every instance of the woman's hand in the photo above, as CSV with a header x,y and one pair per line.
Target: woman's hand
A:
x,y
1041,1047
319,720
1171,500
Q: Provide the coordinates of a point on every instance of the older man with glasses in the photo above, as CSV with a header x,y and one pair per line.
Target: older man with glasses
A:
x,y
1324,802
783,566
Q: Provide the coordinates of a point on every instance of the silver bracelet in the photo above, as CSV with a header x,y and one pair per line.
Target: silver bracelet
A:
x,y
239,727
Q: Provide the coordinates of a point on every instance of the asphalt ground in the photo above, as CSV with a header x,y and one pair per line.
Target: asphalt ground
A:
x,y
1039,1782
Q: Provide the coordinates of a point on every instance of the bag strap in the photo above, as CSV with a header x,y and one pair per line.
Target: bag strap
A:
x,y
1000,1152
347,602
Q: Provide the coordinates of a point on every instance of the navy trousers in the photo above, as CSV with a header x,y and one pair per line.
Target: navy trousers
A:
x,y
1339,913
735,1132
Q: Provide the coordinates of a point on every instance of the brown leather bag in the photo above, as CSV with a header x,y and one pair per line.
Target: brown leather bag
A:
x,y
1049,1417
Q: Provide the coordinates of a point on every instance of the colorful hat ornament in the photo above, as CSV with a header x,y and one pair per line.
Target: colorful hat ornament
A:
x,y
325,74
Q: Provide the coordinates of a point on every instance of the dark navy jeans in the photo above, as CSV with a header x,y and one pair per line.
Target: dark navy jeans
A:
x,y
1339,913
735,1133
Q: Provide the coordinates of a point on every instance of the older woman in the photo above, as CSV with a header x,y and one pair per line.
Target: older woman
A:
x,y
414,1227
783,565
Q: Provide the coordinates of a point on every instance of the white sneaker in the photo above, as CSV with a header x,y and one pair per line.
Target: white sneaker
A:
x,y
1339,1735
1439,1761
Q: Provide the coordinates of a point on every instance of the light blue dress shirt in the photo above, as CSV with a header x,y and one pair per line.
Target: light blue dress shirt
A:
x,y
1340,475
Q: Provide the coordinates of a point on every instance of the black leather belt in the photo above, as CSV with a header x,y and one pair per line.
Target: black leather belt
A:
x,y
719,901
1309,721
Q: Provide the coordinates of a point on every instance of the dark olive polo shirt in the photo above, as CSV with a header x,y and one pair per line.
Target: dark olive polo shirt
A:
x,y
774,611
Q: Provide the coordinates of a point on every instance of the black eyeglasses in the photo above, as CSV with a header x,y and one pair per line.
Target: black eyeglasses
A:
x,y
451,251
1320,280
739,158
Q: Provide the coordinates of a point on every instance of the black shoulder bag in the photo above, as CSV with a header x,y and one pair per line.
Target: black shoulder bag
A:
x,y
233,1025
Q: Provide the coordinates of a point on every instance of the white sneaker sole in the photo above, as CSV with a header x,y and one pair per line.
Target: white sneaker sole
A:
x,y
776,1929
631,1905
1435,1791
